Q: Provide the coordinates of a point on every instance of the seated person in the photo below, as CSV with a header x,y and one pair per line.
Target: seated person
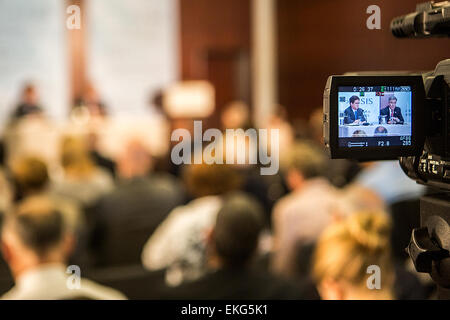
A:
x,y
81,180
300,217
179,243
35,245
126,217
353,114
359,133
232,244
380,130
393,113
29,103
32,180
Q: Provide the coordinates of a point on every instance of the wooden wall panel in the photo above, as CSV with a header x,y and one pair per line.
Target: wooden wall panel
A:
x,y
77,53
324,37
215,45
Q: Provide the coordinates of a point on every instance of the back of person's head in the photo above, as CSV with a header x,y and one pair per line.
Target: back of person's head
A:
x,y
238,226
75,157
135,160
304,161
36,229
235,115
30,175
346,250
215,179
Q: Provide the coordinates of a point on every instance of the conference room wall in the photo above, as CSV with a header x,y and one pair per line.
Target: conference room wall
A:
x,y
320,38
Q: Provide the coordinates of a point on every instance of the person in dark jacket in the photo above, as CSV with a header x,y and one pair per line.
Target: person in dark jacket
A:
x,y
29,103
354,114
125,218
392,112
232,245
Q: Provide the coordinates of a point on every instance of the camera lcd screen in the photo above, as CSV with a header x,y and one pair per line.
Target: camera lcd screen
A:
x,y
374,116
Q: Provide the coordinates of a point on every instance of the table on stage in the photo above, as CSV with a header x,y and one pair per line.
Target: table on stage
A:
x,y
347,131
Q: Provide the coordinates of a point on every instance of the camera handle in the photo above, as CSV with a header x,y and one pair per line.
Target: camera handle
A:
x,y
430,245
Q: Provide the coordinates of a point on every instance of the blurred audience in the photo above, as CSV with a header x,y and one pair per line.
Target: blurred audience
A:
x,y
279,121
81,180
31,180
32,135
179,243
124,218
402,197
388,180
6,192
29,103
235,115
100,160
355,197
267,189
340,172
401,194
300,217
89,104
344,253
36,244
75,194
6,200
232,244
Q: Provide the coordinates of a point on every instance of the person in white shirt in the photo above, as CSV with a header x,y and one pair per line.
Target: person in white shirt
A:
x,y
179,243
36,244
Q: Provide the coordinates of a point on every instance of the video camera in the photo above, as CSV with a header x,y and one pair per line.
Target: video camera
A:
x,y
406,115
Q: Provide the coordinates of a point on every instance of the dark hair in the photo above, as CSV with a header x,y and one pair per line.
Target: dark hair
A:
x,y
39,226
381,129
353,99
238,225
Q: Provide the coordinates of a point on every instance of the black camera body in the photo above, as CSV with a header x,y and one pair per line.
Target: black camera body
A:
x,y
432,166
421,141
385,116
344,138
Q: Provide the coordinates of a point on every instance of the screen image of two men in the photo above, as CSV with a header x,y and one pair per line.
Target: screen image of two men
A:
x,y
392,114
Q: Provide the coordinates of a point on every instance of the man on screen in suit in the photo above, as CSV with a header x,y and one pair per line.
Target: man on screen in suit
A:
x,y
353,114
393,113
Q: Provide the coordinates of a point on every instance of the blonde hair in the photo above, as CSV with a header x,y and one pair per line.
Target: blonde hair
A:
x,y
75,157
347,248
30,173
